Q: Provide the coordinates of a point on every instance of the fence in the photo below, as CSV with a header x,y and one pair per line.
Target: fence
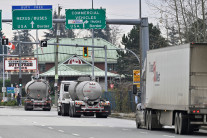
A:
x,y
121,101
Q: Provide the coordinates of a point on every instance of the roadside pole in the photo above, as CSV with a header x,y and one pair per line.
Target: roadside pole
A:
x,y
140,47
106,83
37,40
3,72
93,77
20,67
56,58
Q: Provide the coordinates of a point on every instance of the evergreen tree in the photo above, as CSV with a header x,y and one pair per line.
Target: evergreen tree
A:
x,y
103,33
173,36
63,32
26,49
127,62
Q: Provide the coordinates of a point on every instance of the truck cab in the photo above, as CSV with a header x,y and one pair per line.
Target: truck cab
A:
x,y
64,97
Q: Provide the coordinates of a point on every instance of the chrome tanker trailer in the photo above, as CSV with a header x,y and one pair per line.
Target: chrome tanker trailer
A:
x,y
82,98
38,95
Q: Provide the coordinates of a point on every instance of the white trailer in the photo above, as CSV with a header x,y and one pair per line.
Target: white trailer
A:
x,y
176,89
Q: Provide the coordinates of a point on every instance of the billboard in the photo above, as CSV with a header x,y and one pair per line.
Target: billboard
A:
x,y
27,64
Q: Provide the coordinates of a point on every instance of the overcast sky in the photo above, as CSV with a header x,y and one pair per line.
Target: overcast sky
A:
x,y
115,9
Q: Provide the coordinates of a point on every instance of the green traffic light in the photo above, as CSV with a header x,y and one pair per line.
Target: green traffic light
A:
x,y
85,55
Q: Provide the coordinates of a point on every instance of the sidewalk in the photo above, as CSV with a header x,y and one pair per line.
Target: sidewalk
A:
x,y
130,116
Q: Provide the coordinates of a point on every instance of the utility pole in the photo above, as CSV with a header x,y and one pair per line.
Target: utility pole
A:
x,y
140,46
93,77
20,67
56,58
3,72
37,40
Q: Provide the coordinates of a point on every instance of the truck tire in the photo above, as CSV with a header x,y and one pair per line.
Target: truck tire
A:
x,y
176,123
74,112
25,108
150,120
59,112
182,124
63,110
147,120
71,111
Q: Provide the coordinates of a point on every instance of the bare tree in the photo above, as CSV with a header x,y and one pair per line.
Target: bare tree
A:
x,y
187,16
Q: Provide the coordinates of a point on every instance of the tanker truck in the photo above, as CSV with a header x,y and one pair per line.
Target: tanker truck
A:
x,y
78,98
38,95
174,89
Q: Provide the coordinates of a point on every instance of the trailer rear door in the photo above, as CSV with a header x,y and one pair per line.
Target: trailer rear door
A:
x,y
198,75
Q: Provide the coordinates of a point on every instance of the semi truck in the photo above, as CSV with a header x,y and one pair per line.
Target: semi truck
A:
x,y
38,95
78,98
174,89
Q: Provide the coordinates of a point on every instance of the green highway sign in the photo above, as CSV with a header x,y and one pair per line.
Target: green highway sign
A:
x,y
85,18
31,17
0,20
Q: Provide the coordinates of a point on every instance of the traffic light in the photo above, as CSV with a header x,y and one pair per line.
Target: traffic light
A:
x,y
20,82
85,51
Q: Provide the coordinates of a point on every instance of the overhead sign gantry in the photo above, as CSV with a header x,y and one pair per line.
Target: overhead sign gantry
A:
x,y
85,18
32,17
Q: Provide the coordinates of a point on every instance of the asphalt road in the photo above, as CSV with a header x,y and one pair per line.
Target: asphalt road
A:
x,y
17,123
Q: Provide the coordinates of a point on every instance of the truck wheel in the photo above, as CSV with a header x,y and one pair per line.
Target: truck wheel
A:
x,y
176,123
71,111
63,110
59,112
147,118
150,120
25,108
182,124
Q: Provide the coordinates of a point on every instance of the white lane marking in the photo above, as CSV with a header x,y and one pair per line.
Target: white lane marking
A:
x,y
50,127
61,131
75,134
42,125
34,122
24,119
125,129
169,136
143,132
91,137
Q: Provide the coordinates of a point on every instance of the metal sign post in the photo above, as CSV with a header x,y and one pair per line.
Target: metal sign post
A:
x,y
3,73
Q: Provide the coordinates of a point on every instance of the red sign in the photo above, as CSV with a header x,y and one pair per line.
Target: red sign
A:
x,y
111,86
75,60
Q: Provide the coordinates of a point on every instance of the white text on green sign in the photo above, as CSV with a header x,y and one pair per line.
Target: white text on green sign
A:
x,y
85,18
31,18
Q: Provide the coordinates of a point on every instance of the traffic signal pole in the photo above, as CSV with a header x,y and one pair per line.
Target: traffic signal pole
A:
x,y
93,77
3,73
56,58
20,66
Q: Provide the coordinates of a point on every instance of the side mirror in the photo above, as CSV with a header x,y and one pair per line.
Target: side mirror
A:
x,y
134,89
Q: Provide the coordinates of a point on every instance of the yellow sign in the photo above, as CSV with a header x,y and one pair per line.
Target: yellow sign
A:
x,y
136,76
138,85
